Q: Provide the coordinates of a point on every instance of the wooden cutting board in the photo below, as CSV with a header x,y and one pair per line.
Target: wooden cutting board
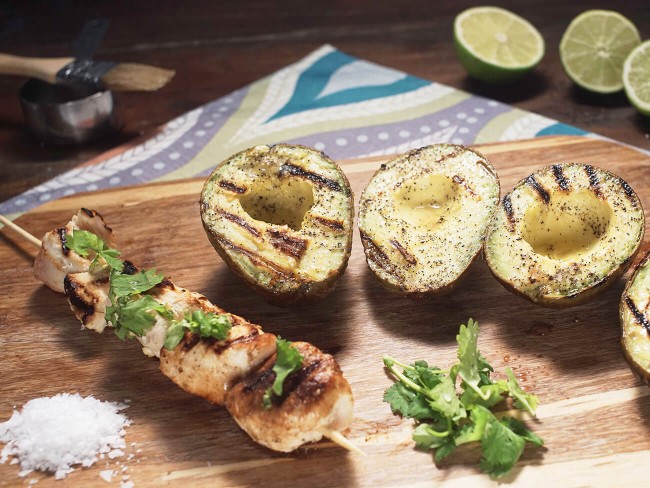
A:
x,y
594,414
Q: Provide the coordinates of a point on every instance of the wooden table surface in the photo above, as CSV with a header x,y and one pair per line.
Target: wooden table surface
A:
x,y
217,47
594,414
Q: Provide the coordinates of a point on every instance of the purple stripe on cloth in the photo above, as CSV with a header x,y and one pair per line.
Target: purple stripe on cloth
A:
x,y
459,124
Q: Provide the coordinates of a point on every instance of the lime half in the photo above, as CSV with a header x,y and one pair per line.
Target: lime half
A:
x,y
594,48
495,45
636,78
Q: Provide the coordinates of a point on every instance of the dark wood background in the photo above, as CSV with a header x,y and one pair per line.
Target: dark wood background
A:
x,y
217,47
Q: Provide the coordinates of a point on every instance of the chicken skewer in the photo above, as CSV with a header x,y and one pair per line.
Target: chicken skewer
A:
x,y
234,372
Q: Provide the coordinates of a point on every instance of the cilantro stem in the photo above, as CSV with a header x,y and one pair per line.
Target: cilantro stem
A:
x,y
391,365
437,433
388,361
474,387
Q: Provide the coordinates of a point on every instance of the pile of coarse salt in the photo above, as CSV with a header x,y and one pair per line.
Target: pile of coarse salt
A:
x,y
56,433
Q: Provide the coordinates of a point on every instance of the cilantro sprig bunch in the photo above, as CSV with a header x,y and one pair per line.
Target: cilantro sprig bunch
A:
x,y
133,312
287,360
448,416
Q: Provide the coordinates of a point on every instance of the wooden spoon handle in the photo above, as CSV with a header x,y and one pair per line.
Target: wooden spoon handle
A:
x,y
42,68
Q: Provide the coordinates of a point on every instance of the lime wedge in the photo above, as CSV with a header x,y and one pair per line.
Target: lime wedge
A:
x,y
594,47
495,45
636,78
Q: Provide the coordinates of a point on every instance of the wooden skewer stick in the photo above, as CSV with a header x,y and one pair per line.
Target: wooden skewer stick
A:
x,y
333,435
338,438
20,231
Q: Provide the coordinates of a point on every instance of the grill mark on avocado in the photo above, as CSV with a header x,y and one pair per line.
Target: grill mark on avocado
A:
x,y
377,256
290,245
293,170
510,214
628,191
459,180
404,252
256,259
230,186
70,290
562,181
541,191
594,182
331,223
638,315
236,219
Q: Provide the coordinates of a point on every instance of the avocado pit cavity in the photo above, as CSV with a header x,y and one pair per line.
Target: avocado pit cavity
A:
x,y
425,202
568,227
279,201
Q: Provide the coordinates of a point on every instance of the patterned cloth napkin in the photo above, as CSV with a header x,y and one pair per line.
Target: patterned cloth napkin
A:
x,y
329,100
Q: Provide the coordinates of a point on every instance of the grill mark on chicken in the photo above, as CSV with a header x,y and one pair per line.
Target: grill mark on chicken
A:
x,y
331,223
290,245
221,346
230,186
629,193
408,257
256,258
236,219
70,289
562,181
594,182
300,382
190,340
293,170
131,269
62,233
638,315
541,191
260,379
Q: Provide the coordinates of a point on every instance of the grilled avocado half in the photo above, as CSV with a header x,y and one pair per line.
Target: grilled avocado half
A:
x,y
281,218
565,233
635,320
423,217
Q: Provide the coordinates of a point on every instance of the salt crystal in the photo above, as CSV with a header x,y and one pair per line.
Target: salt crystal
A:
x,y
130,456
55,433
125,477
126,484
115,453
106,475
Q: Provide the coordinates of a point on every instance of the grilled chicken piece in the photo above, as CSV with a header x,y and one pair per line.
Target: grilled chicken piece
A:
x,y
55,261
316,399
87,294
202,366
207,367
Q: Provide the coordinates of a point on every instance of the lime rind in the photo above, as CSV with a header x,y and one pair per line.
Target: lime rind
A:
x,y
495,60
636,78
589,31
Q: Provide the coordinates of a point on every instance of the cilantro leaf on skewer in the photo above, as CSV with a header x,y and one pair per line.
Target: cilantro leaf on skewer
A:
x,y
288,360
206,324
84,242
